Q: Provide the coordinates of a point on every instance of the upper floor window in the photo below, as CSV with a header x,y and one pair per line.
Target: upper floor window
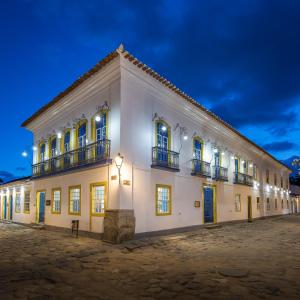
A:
x,y
53,149
162,135
267,176
67,141
198,149
254,171
281,182
42,152
81,135
237,165
275,179
217,158
100,122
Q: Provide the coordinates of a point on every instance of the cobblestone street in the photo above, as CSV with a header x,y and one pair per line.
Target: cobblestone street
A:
x,y
259,260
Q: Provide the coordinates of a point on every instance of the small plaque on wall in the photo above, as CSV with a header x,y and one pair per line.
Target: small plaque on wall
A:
x,y
197,204
113,177
48,202
126,182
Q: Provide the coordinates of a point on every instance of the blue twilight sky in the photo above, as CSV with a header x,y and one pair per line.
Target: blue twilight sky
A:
x,y
239,58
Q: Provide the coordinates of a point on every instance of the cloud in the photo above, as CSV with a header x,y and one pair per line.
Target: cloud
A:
x,y
6,176
279,146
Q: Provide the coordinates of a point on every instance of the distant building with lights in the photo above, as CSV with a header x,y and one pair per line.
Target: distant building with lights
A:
x,y
125,151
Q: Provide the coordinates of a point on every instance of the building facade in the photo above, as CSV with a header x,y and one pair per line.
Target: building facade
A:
x,y
123,139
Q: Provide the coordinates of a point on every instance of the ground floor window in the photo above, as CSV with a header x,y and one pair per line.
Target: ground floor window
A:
x,y
287,204
282,204
163,200
98,198
74,200
18,202
27,202
56,201
257,203
276,204
237,203
268,204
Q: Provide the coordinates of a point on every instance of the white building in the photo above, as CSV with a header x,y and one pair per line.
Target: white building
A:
x,y
181,164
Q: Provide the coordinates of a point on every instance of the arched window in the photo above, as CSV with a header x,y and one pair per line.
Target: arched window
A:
x,y
163,140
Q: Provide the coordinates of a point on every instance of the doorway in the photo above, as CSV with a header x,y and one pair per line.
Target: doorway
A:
x,y
40,206
4,207
11,207
209,204
249,209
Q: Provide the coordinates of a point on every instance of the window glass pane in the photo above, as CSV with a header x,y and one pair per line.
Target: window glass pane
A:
x,y
163,204
101,128
75,200
67,139
197,149
18,203
98,199
56,201
27,202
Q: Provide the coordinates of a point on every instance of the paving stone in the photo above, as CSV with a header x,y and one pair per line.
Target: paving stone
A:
x,y
240,261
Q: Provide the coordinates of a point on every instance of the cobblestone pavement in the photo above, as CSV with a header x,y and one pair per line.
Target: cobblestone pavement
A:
x,y
259,260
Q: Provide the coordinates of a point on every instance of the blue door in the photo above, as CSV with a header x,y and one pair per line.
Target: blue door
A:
x,y
208,204
10,207
42,207
4,207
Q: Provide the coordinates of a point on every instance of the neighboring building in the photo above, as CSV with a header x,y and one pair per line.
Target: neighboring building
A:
x,y
295,198
182,165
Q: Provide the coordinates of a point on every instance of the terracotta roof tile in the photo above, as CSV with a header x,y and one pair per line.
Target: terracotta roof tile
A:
x,y
150,72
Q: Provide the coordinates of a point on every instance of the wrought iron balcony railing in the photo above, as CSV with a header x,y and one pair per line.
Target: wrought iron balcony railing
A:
x,y
165,159
200,168
98,152
220,173
240,178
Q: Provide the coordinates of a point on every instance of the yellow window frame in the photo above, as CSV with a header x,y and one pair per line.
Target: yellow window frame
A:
x,y
69,200
169,187
97,184
57,189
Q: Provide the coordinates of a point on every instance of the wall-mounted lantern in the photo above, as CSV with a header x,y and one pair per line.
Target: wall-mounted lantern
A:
x,y
119,162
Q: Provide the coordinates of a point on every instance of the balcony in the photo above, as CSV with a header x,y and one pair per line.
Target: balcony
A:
x,y
240,178
220,173
165,159
95,153
200,168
